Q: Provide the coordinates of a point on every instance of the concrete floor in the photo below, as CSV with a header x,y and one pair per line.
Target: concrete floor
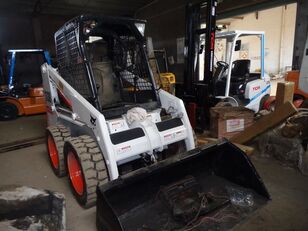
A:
x,y
30,167
288,209
23,128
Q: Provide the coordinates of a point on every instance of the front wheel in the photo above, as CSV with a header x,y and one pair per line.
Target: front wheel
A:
x,y
55,138
8,111
86,168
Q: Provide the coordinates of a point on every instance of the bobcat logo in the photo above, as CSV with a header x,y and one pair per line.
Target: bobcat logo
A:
x,y
93,120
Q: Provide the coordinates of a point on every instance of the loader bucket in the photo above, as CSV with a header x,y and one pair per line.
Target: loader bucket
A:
x,y
212,187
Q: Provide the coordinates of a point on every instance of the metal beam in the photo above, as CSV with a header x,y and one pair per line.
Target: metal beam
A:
x,y
61,7
300,33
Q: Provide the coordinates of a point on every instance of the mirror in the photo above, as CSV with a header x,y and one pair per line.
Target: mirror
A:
x,y
238,45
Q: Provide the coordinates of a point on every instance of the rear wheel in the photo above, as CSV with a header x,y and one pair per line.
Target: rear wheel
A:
x,y
56,136
8,111
86,168
298,97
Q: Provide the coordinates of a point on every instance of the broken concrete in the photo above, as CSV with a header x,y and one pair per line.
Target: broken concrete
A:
x,y
25,208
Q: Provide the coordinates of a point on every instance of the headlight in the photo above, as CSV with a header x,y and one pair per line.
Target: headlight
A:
x,y
140,27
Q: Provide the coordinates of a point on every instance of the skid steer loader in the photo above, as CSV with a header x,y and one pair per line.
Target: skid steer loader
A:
x,y
106,117
120,137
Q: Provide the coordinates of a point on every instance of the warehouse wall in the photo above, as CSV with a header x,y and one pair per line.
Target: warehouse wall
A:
x,y
279,26
28,31
15,31
166,23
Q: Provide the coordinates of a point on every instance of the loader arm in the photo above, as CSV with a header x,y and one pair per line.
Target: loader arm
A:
x,y
82,114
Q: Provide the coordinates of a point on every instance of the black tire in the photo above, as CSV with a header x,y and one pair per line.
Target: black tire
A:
x,y
262,101
93,168
59,134
297,97
8,111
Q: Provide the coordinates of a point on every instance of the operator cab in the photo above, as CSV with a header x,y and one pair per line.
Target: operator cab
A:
x,y
114,76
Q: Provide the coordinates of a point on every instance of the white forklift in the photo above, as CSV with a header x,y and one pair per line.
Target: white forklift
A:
x,y
218,67
119,137
240,80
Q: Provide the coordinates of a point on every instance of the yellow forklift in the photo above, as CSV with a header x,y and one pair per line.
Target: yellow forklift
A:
x,y
167,78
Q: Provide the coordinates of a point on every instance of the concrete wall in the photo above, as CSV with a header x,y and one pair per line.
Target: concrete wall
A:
x,y
28,31
279,26
166,23
15,31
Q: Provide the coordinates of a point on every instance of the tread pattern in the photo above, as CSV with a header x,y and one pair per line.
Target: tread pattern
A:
x,y
60,134
92,164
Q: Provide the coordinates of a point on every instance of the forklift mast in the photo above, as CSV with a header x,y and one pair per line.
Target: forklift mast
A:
x,y
198,91
195,16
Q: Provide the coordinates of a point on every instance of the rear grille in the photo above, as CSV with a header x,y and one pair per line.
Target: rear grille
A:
x,y
70,62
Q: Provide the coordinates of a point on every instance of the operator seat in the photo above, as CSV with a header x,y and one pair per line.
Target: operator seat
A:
x,y
106,82
240,70
239,75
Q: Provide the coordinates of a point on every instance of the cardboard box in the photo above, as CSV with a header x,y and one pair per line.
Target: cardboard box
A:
x,y
229,121
284,93
265,123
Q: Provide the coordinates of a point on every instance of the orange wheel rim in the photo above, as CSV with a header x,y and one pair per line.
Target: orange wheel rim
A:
x,y
53,152
75,173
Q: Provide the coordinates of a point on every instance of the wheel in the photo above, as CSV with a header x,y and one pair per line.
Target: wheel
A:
x,y
8,111
269,103
55,138
86,168
222,64
262,101
297,97
298,100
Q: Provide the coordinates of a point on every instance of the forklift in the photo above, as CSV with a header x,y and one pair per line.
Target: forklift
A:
x,y
22,92
209,80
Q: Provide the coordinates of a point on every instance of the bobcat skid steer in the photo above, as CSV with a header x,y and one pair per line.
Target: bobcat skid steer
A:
x,y
119,137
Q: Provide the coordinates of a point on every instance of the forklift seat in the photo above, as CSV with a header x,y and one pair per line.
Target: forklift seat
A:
x,y
240,70
239,75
